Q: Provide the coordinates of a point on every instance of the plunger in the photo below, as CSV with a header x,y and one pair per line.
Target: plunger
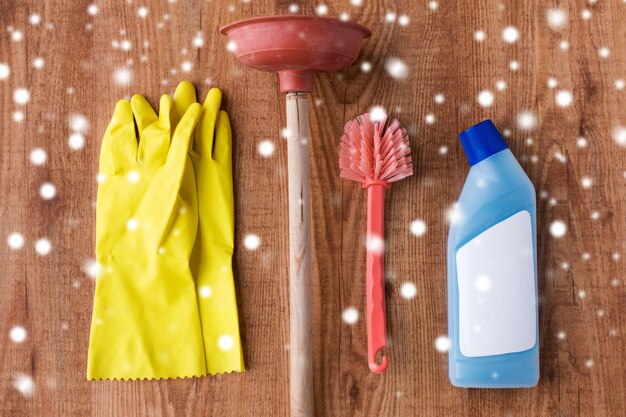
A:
x,y
296,47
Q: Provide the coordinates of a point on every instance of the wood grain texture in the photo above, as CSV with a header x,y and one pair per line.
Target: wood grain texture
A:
x,y
581,280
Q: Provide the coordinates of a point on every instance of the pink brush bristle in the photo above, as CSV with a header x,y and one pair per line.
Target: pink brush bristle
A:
x,y
374,151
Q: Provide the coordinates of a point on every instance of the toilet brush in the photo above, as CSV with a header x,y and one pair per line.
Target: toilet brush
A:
x,y
375,154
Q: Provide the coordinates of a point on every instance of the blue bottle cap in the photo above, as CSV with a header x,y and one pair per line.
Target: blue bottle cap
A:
x,y
481,141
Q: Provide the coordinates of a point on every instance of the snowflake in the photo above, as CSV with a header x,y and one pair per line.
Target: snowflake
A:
x,y
93,9
558,229
321,10
485,98
563,98
397,68
43,247
442,344
408,290
15,241
18,334
350,315
21,96
557,18
266,148
47,191
251,241
5,71
38,156
418,227
510,34
377,113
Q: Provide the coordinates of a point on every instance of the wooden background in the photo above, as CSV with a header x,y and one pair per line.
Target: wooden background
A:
x,y
581,275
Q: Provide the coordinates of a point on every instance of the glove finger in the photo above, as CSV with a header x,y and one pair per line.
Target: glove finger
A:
x,y
184,96
223,146
154,130
206,128
181,139
165,108
120,139
143,112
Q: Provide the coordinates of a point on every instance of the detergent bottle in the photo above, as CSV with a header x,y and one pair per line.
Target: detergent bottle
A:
x,y
493,323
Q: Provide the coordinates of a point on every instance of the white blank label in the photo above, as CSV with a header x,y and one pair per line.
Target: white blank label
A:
x,y
497,295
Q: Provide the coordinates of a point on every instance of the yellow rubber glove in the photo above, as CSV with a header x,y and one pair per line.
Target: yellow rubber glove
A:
x,y
211,261
145,318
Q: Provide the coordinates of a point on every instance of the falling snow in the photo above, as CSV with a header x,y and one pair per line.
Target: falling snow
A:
x,y
408,290
34,19
552,82
47,191
231,46
78,122
143,12
321,10
76,141
442,344
132,224
403,20
205,291
18,334
350,315
21,96
586,14
91,268
225,342
604,52
418,227
526,120
485,98
586,182
266,148
557,18
38,63
251,241
558,229
93,9
5,71
619,135
15,241
38,156
377,113
563,98
510,34
396,68
24,384
43,247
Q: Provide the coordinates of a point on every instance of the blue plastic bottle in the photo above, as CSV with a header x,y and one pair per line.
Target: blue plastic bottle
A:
x,y
492,270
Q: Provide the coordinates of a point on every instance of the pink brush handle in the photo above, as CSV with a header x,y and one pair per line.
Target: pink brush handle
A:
x,y
376,329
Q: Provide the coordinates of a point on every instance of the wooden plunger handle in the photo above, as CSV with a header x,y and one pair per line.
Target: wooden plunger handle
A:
x,y
300,354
